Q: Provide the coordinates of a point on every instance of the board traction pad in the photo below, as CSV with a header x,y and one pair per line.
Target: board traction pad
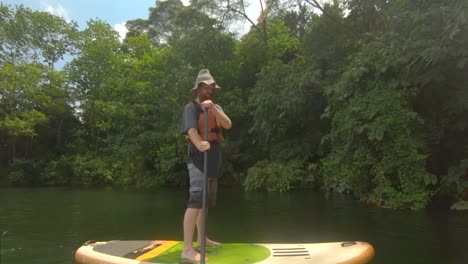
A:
x,y
236,253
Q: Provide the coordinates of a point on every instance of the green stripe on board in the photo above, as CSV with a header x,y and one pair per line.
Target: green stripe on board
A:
x,y
224,254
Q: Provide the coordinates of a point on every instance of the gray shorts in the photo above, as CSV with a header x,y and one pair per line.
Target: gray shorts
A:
x,y
196,188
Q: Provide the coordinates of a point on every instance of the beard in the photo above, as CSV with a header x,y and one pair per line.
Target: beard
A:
x,y
205,96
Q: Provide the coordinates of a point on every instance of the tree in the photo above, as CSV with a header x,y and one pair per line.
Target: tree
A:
x,y
22,102
381,135
32,36
160,24
229,11
94,77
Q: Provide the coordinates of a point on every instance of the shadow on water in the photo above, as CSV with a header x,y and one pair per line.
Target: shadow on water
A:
x,y
47,225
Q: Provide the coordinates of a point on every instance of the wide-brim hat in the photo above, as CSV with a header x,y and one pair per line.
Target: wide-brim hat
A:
x,y
204,76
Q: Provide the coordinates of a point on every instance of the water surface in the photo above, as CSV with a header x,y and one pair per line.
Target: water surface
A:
x,y
47,225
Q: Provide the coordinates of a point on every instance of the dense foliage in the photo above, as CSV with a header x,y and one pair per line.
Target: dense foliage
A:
x,y
364,97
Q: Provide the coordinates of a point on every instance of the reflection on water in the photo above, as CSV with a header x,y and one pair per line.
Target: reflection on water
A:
x,y
47,225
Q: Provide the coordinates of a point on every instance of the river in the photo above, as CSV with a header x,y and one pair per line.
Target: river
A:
x,y
47,225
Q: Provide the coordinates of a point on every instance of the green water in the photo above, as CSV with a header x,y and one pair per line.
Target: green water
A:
x,y
47,225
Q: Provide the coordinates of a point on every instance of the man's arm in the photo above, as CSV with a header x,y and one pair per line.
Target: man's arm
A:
x,y
195,138
222,118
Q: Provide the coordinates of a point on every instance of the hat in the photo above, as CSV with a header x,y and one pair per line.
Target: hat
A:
x,y
204,76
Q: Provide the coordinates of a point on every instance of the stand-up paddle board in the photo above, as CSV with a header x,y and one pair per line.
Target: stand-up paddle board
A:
x,y
168,252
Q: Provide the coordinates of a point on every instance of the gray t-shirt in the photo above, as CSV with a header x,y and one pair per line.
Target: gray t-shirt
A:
x,y
190,117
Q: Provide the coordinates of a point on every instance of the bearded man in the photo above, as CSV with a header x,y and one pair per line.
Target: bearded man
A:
x,y
193,124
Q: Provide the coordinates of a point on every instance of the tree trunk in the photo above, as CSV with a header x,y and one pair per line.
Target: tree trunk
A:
x,y
12,151
31,139
26,146
59,133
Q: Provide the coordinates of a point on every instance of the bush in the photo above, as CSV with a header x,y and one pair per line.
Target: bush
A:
x,y
274,176
377,148
91,170
58,172
25,172
455,182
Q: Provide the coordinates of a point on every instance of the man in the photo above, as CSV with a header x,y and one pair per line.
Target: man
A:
x,y
193,124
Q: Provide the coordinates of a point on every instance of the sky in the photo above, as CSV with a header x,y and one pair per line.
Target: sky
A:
x,y
114,12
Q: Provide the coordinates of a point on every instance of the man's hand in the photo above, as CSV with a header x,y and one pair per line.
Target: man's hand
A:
x,y
207,104
203,146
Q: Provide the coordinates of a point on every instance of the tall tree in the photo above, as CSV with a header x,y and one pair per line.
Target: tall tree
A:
x,y
33,36
94,77
22,102
161,21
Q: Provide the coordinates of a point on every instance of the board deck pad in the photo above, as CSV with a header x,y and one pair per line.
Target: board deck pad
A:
x,y
116,248
227,254
234,253
169,252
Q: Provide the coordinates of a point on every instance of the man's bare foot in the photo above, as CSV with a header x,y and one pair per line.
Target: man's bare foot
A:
x,y
191,255
209,242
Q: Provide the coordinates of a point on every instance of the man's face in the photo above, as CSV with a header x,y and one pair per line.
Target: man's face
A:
x,y
206,91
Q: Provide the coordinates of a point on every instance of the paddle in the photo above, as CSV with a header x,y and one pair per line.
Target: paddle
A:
x,y
205,194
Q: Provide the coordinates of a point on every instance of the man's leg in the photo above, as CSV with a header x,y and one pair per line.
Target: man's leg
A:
x,y
212,190
209,242
194,206
190,218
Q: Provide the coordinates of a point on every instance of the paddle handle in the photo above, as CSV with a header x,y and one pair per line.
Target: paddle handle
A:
x,y
205,194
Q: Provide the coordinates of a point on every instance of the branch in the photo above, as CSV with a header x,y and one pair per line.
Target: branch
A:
x,y
243,14
317,5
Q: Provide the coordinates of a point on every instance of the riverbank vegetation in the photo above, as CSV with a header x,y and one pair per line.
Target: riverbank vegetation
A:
x,y
362,97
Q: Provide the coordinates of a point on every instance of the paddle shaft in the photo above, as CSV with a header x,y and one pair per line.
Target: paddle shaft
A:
x,y
205,194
